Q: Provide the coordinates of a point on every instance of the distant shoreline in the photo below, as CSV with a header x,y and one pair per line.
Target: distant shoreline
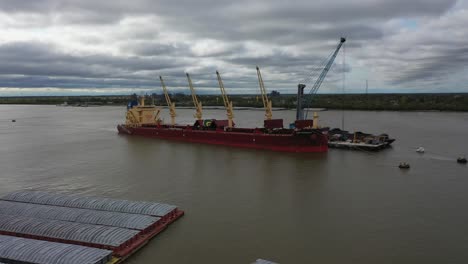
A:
x,y
373,102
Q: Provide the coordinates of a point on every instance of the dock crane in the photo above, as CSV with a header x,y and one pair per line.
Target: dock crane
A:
x,y
170,104
266,102
227,103
316,86
198,105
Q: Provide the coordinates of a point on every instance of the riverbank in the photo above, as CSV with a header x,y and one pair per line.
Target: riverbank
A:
x,y
393,102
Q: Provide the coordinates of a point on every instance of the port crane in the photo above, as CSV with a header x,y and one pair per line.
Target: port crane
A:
x,y
266,102
316,86
227,103
170,104
198,105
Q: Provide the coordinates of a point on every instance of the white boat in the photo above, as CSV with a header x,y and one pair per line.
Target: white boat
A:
x,y
420,150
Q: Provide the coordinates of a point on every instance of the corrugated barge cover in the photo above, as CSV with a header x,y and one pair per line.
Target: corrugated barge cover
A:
x,y
105,204
23,250
92,234
86,216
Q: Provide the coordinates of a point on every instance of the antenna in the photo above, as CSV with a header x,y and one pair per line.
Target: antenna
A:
x,y
367,94
344,82
367,87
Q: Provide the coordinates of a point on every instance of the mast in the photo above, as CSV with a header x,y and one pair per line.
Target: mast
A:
x,y
367,94
344,84
227,103
266,102
198,105
170,104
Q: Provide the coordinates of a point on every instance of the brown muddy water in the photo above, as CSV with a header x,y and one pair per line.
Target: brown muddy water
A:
x,y
339,207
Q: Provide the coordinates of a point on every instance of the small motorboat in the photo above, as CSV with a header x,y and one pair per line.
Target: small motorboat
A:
x,y
420,150
461,160
404,165
13,120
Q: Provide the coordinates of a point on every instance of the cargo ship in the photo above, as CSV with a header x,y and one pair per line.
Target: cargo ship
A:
x,y
301,136
304,136
143,121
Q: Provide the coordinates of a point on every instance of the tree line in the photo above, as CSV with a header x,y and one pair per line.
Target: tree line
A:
x,y
397,102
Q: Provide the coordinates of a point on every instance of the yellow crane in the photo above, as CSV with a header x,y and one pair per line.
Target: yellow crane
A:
x,y
266,102
198,105
170,104
227,103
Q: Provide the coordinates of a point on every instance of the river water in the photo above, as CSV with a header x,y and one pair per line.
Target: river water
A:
x,y
339,207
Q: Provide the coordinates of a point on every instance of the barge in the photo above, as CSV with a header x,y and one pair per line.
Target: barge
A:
x,y
358,141
109,228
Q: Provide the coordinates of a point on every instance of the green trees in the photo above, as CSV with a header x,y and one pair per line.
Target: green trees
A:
x,y
396,102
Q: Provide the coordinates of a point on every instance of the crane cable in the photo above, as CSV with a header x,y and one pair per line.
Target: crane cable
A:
x,y
317,70
313,76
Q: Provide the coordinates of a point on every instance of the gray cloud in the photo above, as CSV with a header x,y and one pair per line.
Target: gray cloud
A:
x,y
30,59
153,49
109,44
432,67
431,56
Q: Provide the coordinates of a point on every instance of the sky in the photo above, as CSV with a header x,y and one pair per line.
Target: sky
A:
x,y
86,47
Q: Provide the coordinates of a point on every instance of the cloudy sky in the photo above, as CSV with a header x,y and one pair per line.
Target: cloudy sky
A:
x,y
121,46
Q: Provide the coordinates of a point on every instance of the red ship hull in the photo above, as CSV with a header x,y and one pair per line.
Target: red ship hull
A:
x,y
286,141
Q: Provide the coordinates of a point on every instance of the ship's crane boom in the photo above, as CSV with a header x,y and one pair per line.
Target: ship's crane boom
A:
x,y
170,104
227,103
266,102
318,82
198,105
